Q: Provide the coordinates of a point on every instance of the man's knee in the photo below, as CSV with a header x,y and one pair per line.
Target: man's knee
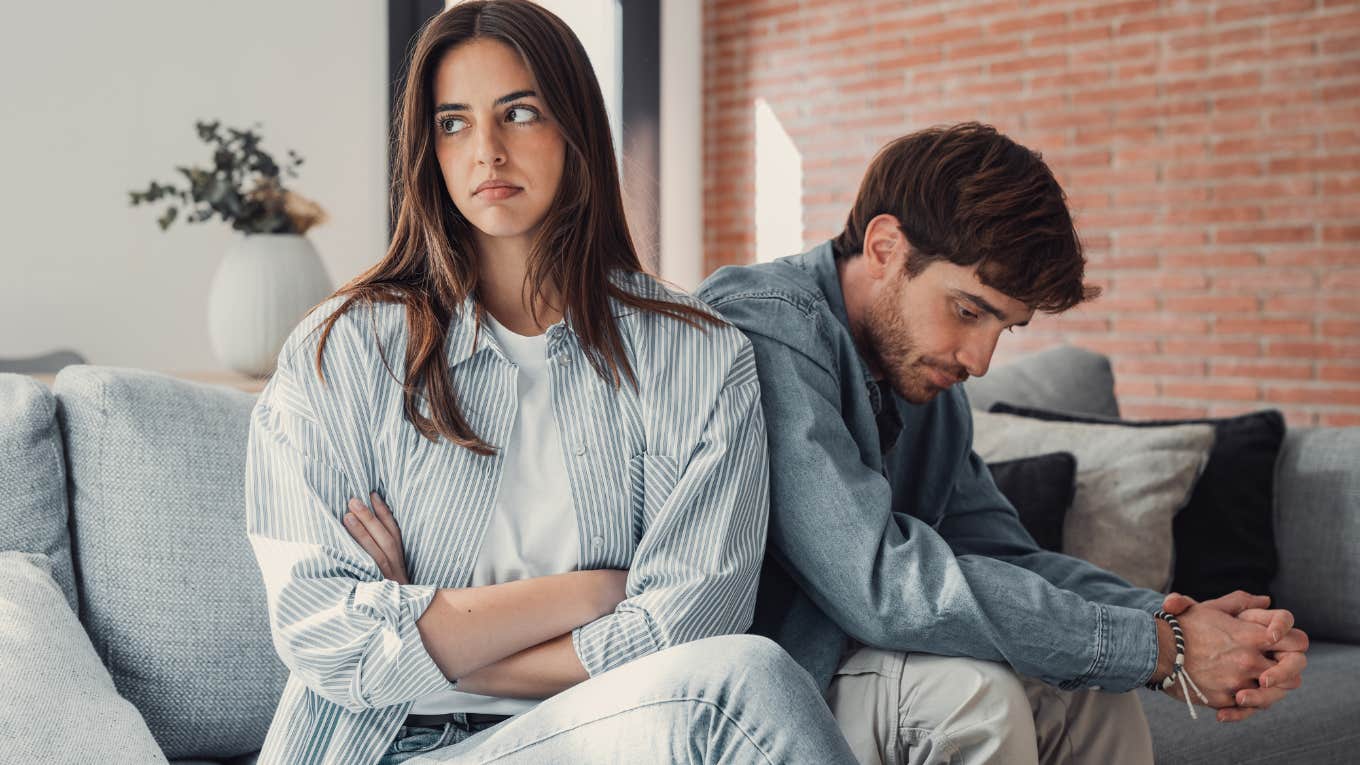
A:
x,y
976,710
958,686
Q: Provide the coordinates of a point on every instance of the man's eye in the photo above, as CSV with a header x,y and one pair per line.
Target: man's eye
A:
x,y
451,125
967,314
520,114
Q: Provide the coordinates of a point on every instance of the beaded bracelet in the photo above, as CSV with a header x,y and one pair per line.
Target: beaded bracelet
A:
x,y
1178,673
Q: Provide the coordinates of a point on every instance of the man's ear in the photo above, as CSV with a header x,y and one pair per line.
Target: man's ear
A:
x,y
884,244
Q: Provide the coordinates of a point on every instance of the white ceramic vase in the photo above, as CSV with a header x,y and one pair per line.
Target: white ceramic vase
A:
x,y
262,289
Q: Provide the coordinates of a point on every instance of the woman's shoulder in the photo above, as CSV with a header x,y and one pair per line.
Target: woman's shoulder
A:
x,y
362,326
709,338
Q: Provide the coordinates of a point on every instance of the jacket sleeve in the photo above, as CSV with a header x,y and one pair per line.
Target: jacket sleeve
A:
x,y
695,569
349,634
890,579
981,521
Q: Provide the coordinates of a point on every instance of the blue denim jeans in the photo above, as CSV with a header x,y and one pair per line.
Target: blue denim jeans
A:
x,y
730,699
416,740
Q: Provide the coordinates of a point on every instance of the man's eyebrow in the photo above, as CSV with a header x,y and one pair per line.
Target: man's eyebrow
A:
x,y
505,99
982,303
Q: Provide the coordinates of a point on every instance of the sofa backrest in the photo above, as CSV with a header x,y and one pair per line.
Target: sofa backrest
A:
x,y
33,512
170,592
1064,378
1317,531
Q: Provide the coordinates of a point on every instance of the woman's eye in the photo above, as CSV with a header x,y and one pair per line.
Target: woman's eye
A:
x,y
451,125
520,114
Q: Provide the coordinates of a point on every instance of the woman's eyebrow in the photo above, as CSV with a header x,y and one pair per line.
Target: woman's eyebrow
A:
x,y
505,99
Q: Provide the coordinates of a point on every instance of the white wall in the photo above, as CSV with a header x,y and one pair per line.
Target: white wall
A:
x,y
100,98
682,142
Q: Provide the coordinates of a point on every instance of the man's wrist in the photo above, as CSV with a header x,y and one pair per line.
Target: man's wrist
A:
x,y
1166,651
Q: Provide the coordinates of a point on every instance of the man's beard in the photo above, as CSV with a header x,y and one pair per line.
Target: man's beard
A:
x,y
893,350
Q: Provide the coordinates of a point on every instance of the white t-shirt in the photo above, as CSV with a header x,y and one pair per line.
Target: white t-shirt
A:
x,y
532,531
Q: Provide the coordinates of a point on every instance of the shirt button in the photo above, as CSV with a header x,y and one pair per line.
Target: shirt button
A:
x,y
580,449
597,542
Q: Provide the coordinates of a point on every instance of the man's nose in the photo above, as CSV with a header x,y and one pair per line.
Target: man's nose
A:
x,y
975,356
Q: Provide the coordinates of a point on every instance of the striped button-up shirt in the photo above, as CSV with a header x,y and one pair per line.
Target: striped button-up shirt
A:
x,y
668,480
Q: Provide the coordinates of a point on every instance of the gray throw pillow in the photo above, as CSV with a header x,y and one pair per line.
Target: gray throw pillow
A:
x,y
60,703
33,478
1130,484
170,591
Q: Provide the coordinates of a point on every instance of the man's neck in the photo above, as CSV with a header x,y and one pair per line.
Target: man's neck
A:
x,y
855,292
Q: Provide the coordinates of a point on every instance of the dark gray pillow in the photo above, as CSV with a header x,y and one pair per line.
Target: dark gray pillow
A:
x,y
1223,537
1041,489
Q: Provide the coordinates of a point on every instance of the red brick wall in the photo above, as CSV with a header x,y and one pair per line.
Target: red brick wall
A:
x,y
1211,152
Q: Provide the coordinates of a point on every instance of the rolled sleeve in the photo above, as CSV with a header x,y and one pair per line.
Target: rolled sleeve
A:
x,y
349,634
695,570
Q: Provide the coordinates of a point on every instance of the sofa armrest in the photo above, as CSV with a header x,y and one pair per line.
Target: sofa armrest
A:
x,y
1317,531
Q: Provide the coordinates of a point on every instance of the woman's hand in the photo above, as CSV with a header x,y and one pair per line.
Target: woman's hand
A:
x,y
376,531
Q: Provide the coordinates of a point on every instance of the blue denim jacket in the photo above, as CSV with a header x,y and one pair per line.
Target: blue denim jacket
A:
x,y
900,539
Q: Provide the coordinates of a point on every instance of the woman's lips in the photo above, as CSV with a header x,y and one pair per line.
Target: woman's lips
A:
x,y
499,192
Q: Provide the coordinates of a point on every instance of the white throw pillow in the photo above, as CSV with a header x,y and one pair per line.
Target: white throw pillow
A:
x,y
1131,482
60,705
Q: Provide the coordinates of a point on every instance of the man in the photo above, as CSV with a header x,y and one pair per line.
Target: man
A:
x,y
897,573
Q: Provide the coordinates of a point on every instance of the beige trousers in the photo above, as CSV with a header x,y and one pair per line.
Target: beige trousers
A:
x,y
900,709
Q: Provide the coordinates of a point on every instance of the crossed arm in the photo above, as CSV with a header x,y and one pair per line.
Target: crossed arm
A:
x,y
511,639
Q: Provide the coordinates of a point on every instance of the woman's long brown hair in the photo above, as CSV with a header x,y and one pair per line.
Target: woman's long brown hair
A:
x,y
431,264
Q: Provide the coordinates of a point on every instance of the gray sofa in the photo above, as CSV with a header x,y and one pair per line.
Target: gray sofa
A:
x,y
131,484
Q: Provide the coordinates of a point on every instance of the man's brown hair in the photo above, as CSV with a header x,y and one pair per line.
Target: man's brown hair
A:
x,y
970,195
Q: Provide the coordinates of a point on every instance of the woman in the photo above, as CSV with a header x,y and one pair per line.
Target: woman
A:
x,y
567,461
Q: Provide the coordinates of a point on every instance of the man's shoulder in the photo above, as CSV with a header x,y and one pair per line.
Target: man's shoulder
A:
x,y
779,282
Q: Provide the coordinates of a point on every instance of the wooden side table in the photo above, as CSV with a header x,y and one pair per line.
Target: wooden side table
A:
x,y
212,377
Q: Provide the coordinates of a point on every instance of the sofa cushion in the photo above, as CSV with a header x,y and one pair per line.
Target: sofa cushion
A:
x,y
1130,484
1317,531
1066,377
1317,724
60,703
170,591
1224,536
33,478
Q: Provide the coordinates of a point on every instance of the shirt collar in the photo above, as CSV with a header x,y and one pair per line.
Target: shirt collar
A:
x,y
468,337
820,262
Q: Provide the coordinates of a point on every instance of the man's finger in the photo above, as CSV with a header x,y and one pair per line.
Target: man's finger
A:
x,y
1235,714
1288,668
1278,622
1236,602
1176,603
384,514
1294,640
1259,698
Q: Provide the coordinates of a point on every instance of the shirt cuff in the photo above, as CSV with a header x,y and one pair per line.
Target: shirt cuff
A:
x,y
406,662
1126,650
613,640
